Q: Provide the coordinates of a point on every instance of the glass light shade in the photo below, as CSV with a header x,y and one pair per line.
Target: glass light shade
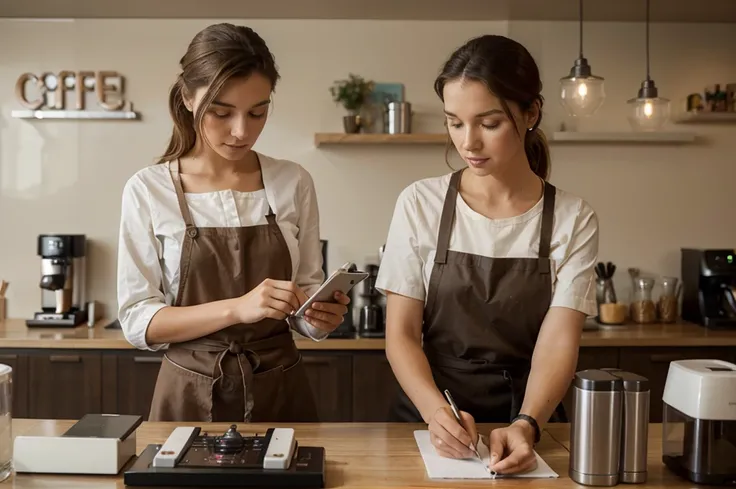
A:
x,y
582,96
648,113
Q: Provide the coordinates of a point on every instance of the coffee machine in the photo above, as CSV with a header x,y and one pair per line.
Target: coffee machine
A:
x,y
709,287
63,287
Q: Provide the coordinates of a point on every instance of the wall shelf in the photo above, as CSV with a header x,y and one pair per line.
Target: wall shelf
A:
x,y
565,137
623,137
75,114
705,117
321,139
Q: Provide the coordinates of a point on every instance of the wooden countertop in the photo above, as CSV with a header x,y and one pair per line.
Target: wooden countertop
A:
x,y
358,455
15,334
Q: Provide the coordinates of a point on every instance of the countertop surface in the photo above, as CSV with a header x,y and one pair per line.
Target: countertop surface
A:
x,y
357,454
15,334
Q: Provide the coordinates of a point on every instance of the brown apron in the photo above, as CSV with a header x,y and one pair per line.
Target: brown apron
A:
x,y
481,321
245,372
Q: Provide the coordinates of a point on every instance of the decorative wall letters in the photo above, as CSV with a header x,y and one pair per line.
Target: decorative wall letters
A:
x,y
53,91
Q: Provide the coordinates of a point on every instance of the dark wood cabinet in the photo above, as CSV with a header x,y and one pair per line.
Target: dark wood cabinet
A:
x,y
374,387
19,391
64,385
330,376
129,382
348,385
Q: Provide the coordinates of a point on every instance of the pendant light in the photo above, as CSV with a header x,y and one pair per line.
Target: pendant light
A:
x,y
648,111
581,92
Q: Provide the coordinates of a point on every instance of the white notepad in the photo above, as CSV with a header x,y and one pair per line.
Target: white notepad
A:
x,y
439,467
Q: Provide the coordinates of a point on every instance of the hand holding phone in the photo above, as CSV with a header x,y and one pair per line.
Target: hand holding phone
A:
x,y
342,280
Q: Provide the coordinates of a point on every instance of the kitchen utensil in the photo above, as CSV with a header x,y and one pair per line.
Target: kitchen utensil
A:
x,y
605,272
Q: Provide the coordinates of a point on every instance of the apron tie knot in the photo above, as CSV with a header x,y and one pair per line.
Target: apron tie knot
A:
x,y
235,348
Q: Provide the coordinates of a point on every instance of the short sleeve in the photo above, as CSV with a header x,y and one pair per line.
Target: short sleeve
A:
x,y
139,271
575,281
401,267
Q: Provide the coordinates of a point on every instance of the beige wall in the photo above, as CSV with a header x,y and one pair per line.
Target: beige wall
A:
x,y
66,177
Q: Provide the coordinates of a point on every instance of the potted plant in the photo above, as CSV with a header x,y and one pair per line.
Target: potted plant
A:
x,y
352,93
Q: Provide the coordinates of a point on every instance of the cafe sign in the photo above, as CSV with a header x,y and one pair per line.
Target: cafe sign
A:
x,y
73,95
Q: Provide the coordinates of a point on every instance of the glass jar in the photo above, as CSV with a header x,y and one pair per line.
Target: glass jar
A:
x,y
667,305
643,308
6,435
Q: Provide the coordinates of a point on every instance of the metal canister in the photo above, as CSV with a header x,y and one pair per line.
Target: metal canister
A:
x,y
398,117
635,426
6,435
595,431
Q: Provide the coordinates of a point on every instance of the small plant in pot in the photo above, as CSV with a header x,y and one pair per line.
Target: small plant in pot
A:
x,y
352,93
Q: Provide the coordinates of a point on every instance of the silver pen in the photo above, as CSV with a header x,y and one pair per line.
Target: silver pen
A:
x,y
456,412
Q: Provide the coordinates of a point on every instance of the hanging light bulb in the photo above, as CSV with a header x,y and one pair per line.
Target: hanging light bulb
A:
x,y
648,111
581,92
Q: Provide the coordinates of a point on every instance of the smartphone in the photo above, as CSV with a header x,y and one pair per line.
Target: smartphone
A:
x,y
343,279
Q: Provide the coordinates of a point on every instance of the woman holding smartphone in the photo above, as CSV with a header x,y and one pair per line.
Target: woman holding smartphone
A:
x,y
219,244
489,269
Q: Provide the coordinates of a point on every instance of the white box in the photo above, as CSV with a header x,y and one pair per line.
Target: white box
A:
x,y
89,454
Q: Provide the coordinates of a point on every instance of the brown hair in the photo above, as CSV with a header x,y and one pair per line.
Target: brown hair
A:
x,y
510,72
216,54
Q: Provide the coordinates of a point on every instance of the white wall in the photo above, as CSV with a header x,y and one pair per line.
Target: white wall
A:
x,y
66,176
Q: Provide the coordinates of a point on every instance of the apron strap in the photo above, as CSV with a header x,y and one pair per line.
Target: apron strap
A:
x,y
448,216
545,235
183,207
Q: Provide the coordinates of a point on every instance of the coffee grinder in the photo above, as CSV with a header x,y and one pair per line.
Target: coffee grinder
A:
x,y
709,287
371,314
63,261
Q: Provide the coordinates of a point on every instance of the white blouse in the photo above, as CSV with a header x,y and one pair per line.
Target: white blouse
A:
x,y
152,232
412,241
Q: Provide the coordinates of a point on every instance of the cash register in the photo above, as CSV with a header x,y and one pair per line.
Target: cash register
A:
x,y
192,457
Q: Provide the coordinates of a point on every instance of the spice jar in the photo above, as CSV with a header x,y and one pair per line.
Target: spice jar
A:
x,y
667,303
643,309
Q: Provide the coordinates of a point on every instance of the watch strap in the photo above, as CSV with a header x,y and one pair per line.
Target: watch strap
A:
x,y
531,421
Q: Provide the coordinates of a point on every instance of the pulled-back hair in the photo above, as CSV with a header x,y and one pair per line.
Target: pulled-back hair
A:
x,y
511,74
216,54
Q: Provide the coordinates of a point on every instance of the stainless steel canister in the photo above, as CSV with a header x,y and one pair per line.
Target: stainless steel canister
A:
x,y
595,432
6,435
398,117
635,426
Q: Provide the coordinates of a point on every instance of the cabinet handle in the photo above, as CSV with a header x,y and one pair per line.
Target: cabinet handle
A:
x,y
65,358
8,357
316,360
665,357
148,359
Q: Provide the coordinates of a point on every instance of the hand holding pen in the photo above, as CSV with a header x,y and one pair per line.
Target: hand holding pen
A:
x,y
450,437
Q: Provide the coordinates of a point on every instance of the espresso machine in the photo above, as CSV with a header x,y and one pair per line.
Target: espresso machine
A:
x,y
63,287
709,287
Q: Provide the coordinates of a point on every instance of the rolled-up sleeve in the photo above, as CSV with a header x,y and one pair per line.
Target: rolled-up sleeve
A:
x,y
309,275
575,281
139,279
401,266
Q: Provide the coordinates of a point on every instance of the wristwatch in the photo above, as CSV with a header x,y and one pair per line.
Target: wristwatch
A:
x,y
531,421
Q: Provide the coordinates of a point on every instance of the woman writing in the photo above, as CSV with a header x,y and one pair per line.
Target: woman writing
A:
x,y
219,244
488,271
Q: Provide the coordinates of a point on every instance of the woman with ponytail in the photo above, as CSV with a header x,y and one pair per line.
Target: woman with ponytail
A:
x,y
488,270
219,244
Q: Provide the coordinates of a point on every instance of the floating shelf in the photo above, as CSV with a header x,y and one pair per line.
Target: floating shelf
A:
x,y
705,117
569,137
75,114
378,138
623,137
